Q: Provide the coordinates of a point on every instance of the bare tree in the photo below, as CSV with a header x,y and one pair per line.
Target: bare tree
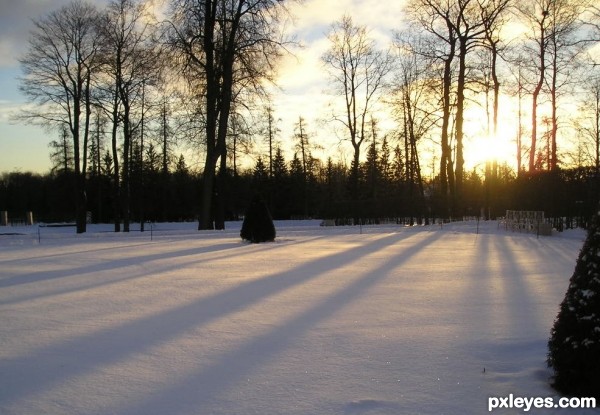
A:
x,y
516,86
564,48
587,123
555,42
592,22
272,131
494,18
462,26
58,69
225,46
536,14
470,28
358,69
62,152
415,107
439,19
130,62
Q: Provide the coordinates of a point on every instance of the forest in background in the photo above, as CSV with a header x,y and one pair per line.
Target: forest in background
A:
x,y
122,89
568,197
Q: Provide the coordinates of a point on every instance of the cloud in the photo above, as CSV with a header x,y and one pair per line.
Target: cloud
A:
x,y
313,20
16,22
303,78
302,68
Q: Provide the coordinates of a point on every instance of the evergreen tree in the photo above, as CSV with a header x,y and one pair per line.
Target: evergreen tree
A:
x,y
280,193
297,187
260,178
398,166
258,225
279,167
385,164
334,198
181,167
371,172
107,164
260,171
574,346
152,163
61,153
182,192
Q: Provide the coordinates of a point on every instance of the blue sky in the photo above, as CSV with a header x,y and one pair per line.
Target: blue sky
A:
x,y
301,77
22,147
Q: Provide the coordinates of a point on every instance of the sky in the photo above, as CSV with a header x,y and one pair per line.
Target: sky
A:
x,y
303,86
23,147
301,80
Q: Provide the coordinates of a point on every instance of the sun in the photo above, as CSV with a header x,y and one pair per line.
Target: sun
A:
x,y
489,149
481,147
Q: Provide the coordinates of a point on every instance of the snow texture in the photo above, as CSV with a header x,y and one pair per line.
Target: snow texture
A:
x,y
332,320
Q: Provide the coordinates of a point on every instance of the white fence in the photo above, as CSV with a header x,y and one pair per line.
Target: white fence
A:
x,y
531,221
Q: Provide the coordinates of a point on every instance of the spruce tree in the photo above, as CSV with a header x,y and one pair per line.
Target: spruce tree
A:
x,y
258,225
574,345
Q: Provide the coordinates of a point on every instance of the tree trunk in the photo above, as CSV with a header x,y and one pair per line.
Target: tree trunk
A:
x,y
536,94
446,170
125,195
553,157
116,170
460,105
212,86
80,198
208,181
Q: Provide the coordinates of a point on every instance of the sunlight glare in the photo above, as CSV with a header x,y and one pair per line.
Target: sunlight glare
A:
x,y
484,148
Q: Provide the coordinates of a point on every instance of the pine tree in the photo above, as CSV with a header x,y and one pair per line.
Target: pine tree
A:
x,y
258,225
279,167
280,189
181,167
385,164
260,171
61,153
398,166
371,172
298,182
260,178
574,345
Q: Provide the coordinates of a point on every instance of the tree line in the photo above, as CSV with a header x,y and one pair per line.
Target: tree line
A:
x,y
297,189
122,88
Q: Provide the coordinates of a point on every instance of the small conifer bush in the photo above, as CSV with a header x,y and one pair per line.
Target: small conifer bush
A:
x,y
258,224
574,345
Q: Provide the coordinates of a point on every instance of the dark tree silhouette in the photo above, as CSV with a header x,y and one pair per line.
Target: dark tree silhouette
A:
x,y
258,224
574,344
58,71
228,48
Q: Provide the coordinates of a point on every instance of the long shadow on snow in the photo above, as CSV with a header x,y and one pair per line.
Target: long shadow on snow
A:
x,y
522,308
214,380
77,249
156,270
41,370
91,267
481,287
521,320
152,271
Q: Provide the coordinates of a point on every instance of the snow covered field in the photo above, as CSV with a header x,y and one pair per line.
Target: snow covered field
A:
x,y
392,320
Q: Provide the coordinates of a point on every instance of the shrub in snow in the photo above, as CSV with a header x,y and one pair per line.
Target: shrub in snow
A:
x,y
258,224
574,346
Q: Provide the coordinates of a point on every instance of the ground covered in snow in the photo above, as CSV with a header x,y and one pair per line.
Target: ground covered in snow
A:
x,y
344,320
